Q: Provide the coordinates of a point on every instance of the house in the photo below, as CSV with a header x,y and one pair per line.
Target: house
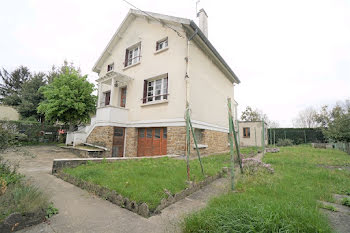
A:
x,y
251,133
153,65
8,113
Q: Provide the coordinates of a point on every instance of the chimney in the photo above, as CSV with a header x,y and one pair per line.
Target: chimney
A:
x,y
203,21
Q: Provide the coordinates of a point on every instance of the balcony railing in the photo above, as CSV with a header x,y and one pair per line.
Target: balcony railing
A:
x,y
111,114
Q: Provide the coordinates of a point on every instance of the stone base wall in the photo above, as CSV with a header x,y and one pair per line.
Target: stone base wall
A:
x,y
216,141
102,136
131,142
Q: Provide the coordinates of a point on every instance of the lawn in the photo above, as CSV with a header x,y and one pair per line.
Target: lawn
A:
x,y
283,202
145,180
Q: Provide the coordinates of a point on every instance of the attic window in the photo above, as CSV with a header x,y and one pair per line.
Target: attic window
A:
x,y
132,55
162,44
110,67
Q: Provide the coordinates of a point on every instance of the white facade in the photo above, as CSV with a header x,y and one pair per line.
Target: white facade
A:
x,y
158,51
251,133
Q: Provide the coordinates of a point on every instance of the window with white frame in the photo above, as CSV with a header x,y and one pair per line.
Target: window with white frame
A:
x,y
162,44
132,55
110,67
156,89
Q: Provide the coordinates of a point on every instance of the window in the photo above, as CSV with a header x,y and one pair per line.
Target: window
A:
x,y
246,132
162,44
107,98
132,55
141,133
157,133
118,132
199,133
110,67
155,90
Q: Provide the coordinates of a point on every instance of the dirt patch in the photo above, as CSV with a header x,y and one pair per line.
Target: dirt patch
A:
x,y
335,167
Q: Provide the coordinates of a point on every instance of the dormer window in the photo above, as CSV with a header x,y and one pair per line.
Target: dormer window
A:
x,y
132,55
110,67
162,44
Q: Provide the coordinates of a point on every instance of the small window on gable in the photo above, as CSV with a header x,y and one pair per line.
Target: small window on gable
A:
x,y
110,67
132,55
162,44
246,132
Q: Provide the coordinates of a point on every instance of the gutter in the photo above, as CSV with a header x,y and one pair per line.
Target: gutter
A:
x,y
211,47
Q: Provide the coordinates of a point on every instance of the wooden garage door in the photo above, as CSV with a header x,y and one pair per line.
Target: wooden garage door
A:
x,y
152,141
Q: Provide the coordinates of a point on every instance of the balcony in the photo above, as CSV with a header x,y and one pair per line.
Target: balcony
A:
x,y
111,114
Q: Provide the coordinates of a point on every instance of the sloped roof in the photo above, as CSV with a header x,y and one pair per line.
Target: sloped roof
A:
x,y
188,24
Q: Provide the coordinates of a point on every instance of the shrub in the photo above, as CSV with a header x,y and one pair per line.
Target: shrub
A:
x,y
346,201
285,142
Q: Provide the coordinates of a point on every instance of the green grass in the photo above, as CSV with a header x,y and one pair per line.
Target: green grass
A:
x,y
145,180
250,151
283,202
346,201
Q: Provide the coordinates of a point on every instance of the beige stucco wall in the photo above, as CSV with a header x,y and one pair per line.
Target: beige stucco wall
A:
x,y
170,61
209,89
8,113
255,129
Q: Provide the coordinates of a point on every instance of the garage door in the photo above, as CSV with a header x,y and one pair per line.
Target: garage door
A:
x,y
152,141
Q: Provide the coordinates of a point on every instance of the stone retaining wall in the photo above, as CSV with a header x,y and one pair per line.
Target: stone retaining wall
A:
x,y
17,221
139,208
102,136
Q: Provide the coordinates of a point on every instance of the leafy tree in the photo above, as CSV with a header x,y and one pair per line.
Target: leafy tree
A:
x,y
31,96
68,98
251,115
56,71
12,84
339,122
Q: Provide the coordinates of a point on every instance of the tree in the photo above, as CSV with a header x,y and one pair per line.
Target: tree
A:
x,y
31,96
12,84
339,122
251,115
323,117
306,118
56,71
68,99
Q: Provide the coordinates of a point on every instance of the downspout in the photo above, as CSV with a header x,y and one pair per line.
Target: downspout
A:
x,y
187,76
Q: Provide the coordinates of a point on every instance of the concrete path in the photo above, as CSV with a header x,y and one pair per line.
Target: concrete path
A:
x,y
80,211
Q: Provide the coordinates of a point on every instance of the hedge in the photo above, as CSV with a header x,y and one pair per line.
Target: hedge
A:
x,y
298,135
27,132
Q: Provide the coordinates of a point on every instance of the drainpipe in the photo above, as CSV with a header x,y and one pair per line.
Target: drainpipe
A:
x,y
187,76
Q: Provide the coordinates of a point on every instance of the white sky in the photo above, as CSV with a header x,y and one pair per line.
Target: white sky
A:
x,y
288,54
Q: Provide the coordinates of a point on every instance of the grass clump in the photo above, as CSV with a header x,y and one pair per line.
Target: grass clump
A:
x,y
145,180
283,202
16,195
329,207
346,201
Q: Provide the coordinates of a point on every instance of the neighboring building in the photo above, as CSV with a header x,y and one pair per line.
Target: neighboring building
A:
x,y
251,133
151,67
8,113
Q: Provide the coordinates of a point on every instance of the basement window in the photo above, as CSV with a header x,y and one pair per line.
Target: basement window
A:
x,y
199,133
162,44
246,132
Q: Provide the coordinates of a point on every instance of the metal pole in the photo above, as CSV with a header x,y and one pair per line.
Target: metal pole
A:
x,y
274,138
235,138
238,137
188,142
231,143
263,136
195,143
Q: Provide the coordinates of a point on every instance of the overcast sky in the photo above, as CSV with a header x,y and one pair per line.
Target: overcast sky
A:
x,y
288,54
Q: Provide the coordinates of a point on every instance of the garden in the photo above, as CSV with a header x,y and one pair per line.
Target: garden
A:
x,y
284,202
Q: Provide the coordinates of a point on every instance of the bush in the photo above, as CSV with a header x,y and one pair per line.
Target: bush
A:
x,y
285,142
346,201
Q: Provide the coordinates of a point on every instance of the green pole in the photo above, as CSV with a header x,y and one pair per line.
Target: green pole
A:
x,y
263,136
255,137
188,141
195,143
274,138
231,143
235,138
238,137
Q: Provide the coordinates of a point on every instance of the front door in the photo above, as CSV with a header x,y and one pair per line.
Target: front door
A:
x,y
123,97
118,142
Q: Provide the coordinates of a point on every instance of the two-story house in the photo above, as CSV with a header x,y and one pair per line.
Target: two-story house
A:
x,y
151,67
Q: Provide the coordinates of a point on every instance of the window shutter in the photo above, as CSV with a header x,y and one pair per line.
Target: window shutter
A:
x,y
126,58
144,91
